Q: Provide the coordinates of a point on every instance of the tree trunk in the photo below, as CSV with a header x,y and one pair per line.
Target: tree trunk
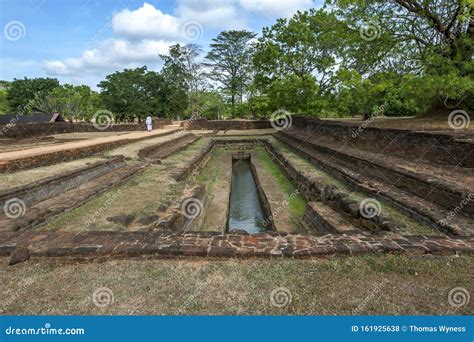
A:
x,y
232,105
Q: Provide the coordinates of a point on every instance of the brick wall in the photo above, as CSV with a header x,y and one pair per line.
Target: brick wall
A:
x,y
225,125
435,147
50,128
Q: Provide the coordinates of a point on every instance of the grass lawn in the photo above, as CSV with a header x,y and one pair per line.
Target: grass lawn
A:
x,y
374,284
296,202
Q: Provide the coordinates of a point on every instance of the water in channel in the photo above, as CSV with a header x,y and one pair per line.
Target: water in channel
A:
x,y
245,211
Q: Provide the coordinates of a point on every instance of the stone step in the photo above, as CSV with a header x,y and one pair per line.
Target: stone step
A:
x,y
322,219
42,212
167,148
425,184
48,187
414,206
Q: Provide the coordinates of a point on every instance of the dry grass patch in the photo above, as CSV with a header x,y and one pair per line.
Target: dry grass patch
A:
x,y
384,284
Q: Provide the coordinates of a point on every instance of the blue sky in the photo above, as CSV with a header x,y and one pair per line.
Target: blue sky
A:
x,y
81,41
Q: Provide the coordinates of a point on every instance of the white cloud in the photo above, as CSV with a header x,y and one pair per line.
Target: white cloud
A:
x,y
110,55
211,13
140,35
276,8
146,22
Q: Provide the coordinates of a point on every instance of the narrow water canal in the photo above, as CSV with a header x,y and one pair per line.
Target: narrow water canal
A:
x,y
245,211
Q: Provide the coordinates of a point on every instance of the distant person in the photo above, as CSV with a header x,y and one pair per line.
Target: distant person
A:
x,y
149,123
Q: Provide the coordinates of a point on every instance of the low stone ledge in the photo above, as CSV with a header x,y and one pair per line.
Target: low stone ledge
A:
x,y
107,244
48,187
23,163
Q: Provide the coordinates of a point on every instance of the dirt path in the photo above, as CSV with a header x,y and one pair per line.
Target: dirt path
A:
x,y
78,144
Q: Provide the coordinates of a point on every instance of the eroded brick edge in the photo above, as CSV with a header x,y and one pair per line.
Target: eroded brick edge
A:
x,y
107,244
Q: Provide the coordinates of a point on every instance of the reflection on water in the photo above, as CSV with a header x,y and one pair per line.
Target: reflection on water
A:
x,y
245,210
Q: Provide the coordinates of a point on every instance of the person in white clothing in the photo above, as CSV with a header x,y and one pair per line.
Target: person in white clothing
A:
x,y
149,123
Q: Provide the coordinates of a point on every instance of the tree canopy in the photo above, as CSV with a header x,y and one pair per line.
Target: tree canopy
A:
x,y
349,58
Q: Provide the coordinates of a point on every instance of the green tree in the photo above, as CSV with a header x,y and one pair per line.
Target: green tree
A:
x,y
72,102
184,73
4,107
133,93
23,91
210,105
229,59
432,40
305,45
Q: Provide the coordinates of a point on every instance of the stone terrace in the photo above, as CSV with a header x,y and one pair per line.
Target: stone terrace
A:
x,y
355,162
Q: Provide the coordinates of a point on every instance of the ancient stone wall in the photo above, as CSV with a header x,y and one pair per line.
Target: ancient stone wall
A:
x,y
45,188
225,125
314,190
435,190
103,245
435,147
11,165
49,128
